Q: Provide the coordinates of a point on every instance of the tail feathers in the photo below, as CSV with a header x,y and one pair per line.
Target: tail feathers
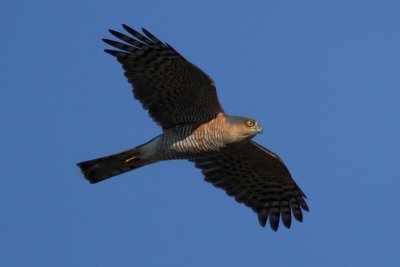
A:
x,y
97,170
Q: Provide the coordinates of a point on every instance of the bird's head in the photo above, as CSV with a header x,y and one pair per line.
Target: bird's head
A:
x,y
243,128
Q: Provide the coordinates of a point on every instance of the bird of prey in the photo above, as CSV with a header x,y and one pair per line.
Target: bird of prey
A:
x,y
182,99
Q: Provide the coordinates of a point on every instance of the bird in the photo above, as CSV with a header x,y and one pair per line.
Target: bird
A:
x,y
183,101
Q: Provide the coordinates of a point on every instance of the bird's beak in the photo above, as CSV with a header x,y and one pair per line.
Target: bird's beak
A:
x,y
259,128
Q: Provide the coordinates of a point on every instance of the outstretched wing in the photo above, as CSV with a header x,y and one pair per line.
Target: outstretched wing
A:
x,y
172,89
258,178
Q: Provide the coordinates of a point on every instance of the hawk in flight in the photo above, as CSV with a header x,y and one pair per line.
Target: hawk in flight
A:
x,y
183,100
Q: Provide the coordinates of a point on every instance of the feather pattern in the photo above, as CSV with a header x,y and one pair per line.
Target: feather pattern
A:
x,y
173,90
258,178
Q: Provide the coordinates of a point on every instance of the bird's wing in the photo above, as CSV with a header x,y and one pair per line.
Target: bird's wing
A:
x,y
173,90
258,178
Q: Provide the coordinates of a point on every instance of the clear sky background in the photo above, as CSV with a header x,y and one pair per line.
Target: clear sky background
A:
x,y
323,77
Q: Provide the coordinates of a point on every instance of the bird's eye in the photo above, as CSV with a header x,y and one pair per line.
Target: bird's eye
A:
x,y
250,123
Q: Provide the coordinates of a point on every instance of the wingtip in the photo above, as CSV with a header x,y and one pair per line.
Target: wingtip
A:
x,y
127,28
118,54
287,223
305,206
262,217
298,216
109,51
152,37
110,42
274,219
274,227
262,222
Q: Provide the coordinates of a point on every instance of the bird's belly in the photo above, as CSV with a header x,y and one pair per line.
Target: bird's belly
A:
x,y
190,144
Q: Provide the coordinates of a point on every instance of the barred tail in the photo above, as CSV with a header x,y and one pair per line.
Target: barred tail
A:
x,y
97,170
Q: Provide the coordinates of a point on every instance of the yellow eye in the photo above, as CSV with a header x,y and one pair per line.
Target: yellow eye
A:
x,y
250,123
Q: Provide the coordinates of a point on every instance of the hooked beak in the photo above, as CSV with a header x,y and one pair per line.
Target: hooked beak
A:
x,y
259,128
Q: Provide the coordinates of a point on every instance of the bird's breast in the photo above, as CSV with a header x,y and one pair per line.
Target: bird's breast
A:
x,y
191,141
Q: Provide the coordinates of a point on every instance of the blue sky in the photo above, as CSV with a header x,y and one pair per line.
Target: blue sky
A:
x,y
321,76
